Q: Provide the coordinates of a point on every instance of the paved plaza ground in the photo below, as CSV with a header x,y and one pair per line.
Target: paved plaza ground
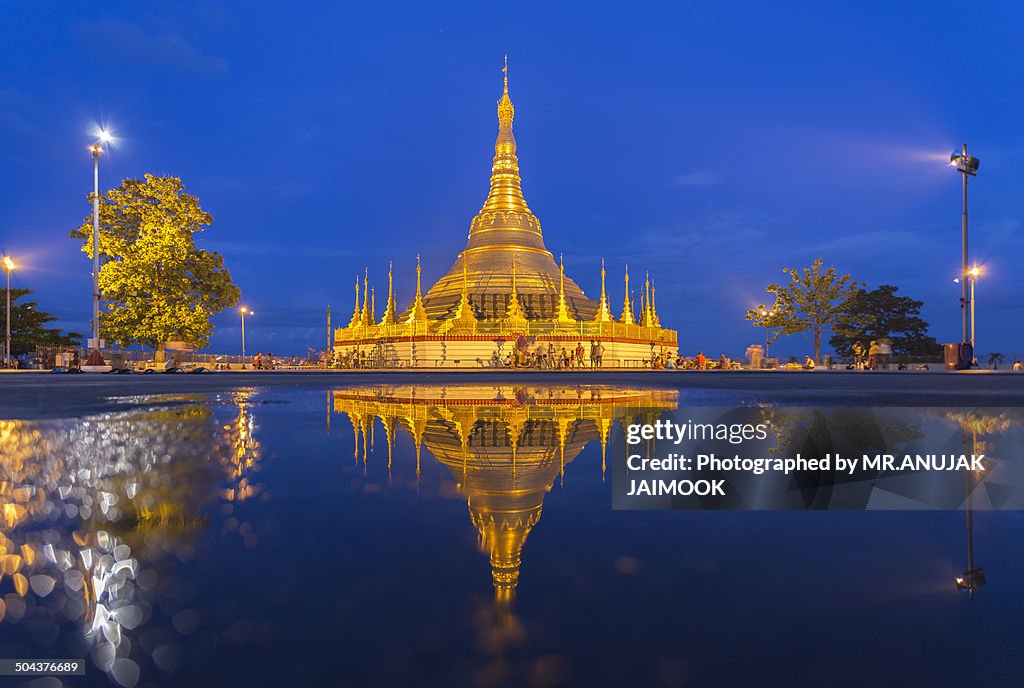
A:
x,y
46,395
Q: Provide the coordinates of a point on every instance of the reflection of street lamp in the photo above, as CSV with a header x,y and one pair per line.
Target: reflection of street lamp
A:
x,y
765,313
104,138
9,267
966,165
974,577
244,311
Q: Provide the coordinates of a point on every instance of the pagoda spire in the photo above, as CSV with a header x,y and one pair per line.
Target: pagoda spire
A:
x,y
417,313
389,310
627,305
655,320
603,313
562,316
505,219
645,303
465,316
355,314
365,318
515,311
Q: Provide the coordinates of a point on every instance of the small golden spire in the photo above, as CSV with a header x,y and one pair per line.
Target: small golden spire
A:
x,y
365,318
373,305
603,314
464,316
562,316
655,320
389,310
627,304
355,314
514,312
645,302
417,313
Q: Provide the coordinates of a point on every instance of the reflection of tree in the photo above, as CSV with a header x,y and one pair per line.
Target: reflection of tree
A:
x,y
87,507
848,431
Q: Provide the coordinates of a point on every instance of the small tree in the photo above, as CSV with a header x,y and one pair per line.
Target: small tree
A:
x,y
881,313
995,359
158,285
811,303
28,324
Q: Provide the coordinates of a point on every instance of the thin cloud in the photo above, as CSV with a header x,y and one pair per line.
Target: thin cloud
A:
x,y
126,40
699,178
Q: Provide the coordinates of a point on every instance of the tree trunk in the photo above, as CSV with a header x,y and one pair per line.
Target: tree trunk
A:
x,y
817,347
160,352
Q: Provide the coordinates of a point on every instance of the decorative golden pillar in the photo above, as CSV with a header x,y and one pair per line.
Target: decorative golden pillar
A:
x,y
514,314
417,314
356,319
603,314
364,319
389,310
464,318
562,316
627,304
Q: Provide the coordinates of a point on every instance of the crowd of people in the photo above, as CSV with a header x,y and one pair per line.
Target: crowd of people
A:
x,y
550,358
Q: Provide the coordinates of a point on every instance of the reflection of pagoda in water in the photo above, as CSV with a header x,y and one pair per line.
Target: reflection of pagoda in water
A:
x,y
504,445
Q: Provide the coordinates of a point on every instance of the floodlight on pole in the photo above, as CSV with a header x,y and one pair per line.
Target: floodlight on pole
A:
x,y
104,138
967,166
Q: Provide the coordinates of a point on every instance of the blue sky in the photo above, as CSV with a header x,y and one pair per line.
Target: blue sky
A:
x,y
712,144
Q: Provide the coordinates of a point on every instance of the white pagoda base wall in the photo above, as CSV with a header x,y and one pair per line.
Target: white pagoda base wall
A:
x,y
471,351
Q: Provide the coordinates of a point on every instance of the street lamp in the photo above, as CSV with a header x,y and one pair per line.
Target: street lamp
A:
x,y
967,166
9,267
104,138
765,313
972,276
244,311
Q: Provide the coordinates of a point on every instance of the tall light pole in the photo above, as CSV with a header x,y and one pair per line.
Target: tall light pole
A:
x,y
9,267
96,149
967,166
243,310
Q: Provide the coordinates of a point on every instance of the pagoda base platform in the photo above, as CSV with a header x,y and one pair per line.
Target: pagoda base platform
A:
x,y
477,351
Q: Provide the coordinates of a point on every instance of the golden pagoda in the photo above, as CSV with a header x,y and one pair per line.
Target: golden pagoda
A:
x,y
504,285
505,446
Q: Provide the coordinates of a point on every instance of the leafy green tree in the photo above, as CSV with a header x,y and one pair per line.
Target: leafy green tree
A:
x,y
881,313
157,284
812,302
28,324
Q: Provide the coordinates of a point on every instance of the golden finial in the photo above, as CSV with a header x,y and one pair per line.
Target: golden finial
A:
x,y
373,305
645,302
465,317
417,313
506,111
627,305
655,321
514,312
366,298
389,310
562,316
355,314
603,312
